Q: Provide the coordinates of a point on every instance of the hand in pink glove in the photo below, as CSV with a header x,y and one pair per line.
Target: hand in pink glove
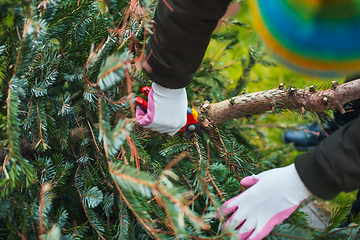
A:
x,y
166,112
272,197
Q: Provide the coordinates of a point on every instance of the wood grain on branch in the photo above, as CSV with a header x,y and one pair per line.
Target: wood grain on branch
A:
x,y
279,99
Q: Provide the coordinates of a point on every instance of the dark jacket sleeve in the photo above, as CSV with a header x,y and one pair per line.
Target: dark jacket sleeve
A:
x,y
334,165
182,31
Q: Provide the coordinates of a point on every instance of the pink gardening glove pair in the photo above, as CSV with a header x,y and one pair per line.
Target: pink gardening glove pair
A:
x,y
166,110
271,198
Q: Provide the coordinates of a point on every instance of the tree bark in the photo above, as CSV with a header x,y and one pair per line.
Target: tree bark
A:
x,y
278,99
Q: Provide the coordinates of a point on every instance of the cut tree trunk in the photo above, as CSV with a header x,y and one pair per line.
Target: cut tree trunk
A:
x,y
302,100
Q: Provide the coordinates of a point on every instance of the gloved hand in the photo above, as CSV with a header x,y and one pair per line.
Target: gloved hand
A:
x,y
273,196
166,112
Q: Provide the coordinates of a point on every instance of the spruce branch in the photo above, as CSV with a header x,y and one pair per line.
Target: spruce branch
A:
x,y
41,129
220,147
84,207
133,150
199,154
44,201
210,178
129,90
138,217
301,100
126,178
175,161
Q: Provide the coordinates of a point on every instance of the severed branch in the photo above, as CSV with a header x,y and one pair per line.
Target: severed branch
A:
x,y
279,99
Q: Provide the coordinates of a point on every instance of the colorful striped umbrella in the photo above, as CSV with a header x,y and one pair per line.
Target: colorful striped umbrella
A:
x,y
313,37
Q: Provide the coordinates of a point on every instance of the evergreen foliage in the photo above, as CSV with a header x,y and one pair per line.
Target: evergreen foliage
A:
x,y
74,163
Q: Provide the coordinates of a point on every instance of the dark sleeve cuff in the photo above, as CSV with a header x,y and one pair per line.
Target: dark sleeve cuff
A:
x,y
167,80
314,177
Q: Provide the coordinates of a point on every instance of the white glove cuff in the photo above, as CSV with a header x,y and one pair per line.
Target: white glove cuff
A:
x,y
168,92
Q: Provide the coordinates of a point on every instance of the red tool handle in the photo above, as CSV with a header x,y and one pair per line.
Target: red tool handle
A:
x,y
142,102
145,90
191,118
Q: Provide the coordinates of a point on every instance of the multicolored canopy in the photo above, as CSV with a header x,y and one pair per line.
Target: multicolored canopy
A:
x,y
314,37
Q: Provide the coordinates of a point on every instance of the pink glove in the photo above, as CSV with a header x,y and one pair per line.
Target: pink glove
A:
x,y
166,112
273,196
